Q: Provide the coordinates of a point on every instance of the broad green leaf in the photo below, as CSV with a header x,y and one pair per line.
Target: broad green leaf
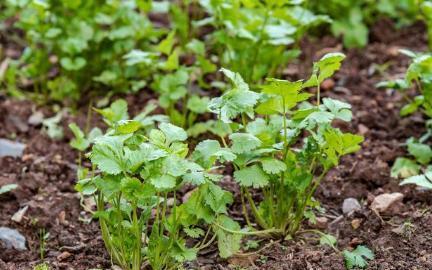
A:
x,y
127,126
357,257
116,112
236,79
7,188
244,142
404,167
236,101
173,133
422,152
107,154
325,68
228,243
252,176
328,239
338,108
424,180
166,45
163,182
273,165
79,142
197,104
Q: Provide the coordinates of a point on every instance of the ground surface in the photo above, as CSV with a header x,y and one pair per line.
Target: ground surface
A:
x,y
401,238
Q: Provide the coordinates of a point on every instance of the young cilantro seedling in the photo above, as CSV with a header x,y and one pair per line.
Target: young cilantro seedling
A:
x,y
138,167
418,169
282,145
358,257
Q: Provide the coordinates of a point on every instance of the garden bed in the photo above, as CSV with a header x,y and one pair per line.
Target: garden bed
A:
x,y
400,237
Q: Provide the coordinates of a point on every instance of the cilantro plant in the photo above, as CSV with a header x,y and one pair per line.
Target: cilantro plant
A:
x,y
351,18
285,152
251,37
358,257
76,46
137,171
418,169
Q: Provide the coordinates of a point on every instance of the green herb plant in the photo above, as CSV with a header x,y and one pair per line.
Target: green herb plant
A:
x,y
76,46
282,145
358,257
251,37
418,169
137,172
352,18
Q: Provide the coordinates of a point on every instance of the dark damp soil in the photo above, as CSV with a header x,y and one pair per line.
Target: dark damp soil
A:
x,y
401,237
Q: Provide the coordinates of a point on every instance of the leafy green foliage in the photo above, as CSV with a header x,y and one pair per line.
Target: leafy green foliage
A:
x,y
7,188
351,18
138,166
75,46
262,149
250,37
419,74
358,257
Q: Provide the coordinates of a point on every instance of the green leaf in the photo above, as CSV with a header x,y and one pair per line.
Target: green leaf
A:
x,y
79,142
73,64
197,104
236,79
325,68
244,142
338,108
252,176
273,165
422,152
116,112
165,46
288,91
404,167
236,101
357,257
135,57
424,180
173,133
328,239
228,243
164,182
107,154
127,126
7,188
194,232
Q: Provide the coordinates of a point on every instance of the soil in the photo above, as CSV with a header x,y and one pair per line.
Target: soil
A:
x,y
401,237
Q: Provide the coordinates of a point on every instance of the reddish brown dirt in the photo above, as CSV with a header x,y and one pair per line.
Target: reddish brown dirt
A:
x,y
400,240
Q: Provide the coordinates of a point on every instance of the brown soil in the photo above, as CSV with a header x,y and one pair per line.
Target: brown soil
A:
x,y
401,238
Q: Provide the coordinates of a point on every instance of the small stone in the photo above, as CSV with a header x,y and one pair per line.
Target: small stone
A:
x,y
363,130
10,238
350,205
321,222
383,202
328,84
36,118
63,256
18,216
355,223
11,148
18,123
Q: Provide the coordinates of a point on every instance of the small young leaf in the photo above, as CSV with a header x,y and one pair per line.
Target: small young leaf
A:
x,y
356,258
404,167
